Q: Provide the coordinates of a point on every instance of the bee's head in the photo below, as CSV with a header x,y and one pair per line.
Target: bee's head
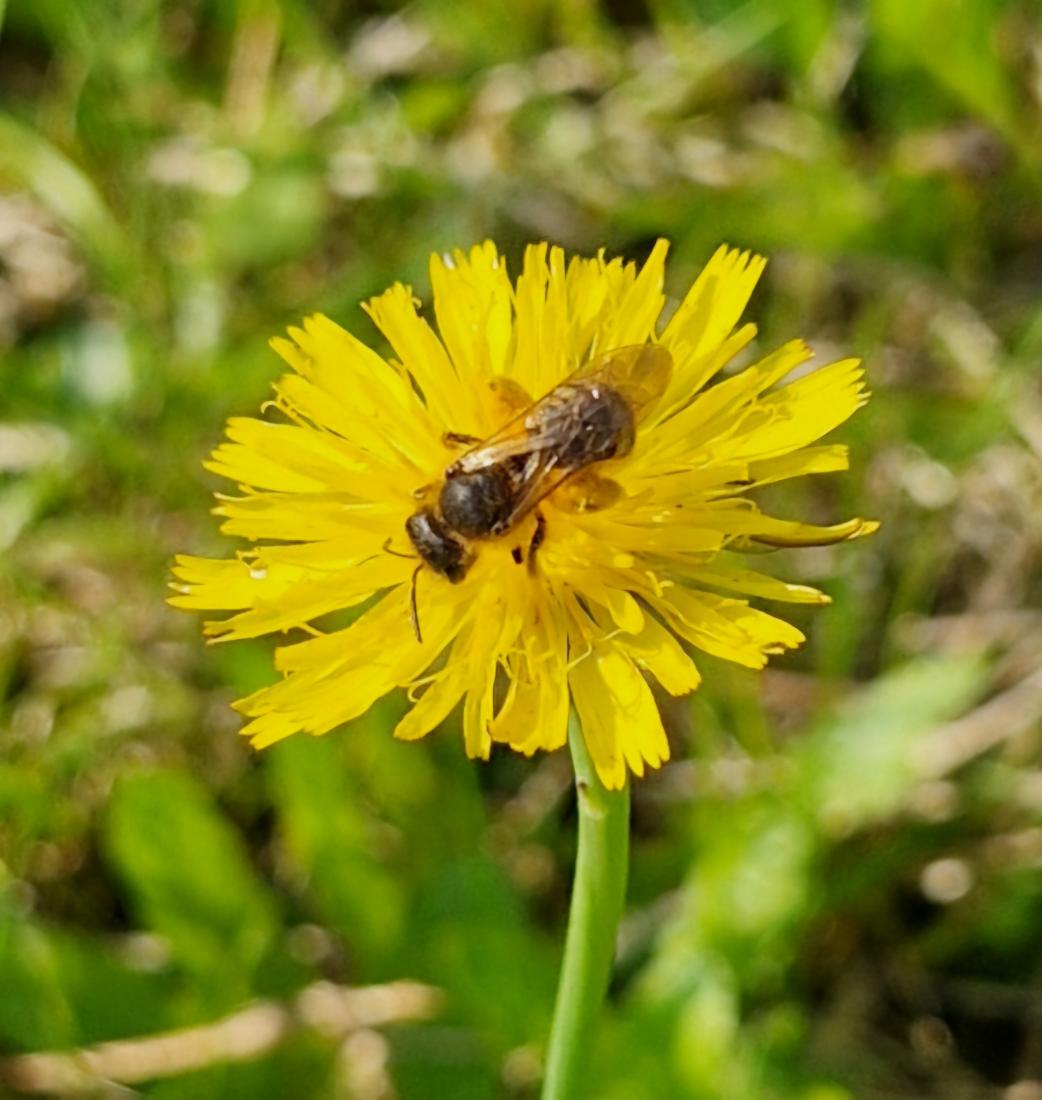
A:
x,y
437,545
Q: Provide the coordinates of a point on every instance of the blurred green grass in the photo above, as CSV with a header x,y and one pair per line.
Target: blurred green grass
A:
x,y
835,887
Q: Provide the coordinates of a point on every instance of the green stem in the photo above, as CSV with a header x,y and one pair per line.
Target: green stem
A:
x,y
598,895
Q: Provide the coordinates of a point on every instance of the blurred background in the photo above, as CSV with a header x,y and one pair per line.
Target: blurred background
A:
x,y
836,888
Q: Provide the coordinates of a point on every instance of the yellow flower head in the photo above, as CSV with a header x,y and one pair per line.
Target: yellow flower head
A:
x,y
597,573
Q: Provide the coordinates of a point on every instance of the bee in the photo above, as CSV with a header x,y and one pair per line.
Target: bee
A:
x,y
590,417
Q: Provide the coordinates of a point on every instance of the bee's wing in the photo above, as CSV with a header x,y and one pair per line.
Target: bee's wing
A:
x,y
512,441
539,480
539,427
640,372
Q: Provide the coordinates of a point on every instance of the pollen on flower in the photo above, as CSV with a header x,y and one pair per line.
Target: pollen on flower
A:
x,y
601,469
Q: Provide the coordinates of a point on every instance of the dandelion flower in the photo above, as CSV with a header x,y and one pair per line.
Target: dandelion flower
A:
x,y
621,591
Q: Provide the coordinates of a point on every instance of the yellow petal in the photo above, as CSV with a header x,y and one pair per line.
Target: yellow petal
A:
x,y
732,579
593,289
360,388
657,650
620,721
633,321
541,350
221,585
725,628
293,459
623,609
288,597
809,460
717,298
443,610
534,714
741,523
452,404
782,532
645,530
311,516
720,411
335,678
498,623
473,302
708,313
371,438
801,412
444,692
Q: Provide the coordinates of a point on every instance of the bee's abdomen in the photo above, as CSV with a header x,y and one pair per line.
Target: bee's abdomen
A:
x,y
593,422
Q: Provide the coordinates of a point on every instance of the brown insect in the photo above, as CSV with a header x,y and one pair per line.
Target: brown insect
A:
x,y
590,417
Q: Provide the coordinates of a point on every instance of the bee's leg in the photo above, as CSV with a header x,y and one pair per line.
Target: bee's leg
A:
x,y
537,539
414,611
459,439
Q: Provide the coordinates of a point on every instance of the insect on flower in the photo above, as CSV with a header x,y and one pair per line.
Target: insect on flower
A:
x,y
573,476
590,417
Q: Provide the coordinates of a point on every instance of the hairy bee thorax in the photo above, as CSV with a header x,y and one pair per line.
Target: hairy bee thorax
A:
x,y
476,505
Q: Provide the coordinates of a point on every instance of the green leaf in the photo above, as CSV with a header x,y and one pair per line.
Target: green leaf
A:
x,y
68,192
955,42
108,997
470,938
334,845
34,1011
189,878
62,989
857,767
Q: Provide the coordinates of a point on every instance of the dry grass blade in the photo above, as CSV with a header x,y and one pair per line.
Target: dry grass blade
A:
x,y
331,1011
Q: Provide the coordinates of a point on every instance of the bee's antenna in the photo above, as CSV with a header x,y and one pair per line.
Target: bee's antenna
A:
x,y
414,611
395,553
459,439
